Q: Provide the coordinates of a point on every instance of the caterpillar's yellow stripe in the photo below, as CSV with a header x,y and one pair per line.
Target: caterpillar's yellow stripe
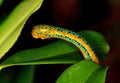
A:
x,y
46,31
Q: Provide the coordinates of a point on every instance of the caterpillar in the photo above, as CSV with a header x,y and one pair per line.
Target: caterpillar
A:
x,y
46,31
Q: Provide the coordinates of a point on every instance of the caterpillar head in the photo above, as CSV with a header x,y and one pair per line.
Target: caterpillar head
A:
x,y
40,31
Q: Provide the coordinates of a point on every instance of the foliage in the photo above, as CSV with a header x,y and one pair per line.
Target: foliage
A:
x,y
60,52
11,27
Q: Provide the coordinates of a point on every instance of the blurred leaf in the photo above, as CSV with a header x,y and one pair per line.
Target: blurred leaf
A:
x,y
1,2
11,27
26,74
114,2
60,52
21,74
83,72
7,75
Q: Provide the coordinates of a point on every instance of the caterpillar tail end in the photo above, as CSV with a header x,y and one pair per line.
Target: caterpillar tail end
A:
x,y
95,60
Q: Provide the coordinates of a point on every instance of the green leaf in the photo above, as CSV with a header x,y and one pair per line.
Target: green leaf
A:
x,y
100,75
83,72
11,27
26,74
60,52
